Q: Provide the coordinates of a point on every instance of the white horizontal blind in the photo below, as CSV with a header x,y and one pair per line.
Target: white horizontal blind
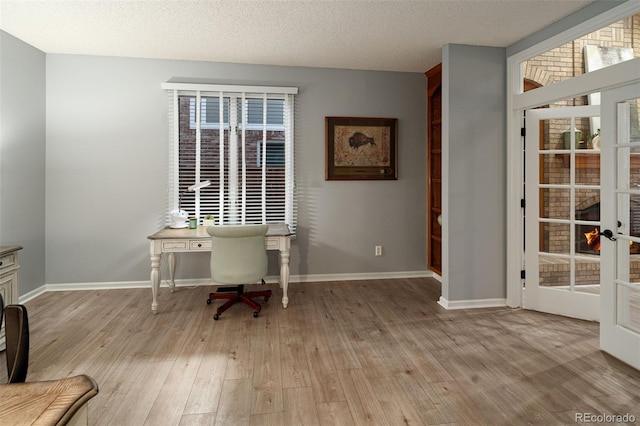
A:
x,y
172,183
243,143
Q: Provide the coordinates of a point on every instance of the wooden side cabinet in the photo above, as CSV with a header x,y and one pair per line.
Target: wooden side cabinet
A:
x,y
434,169
8,281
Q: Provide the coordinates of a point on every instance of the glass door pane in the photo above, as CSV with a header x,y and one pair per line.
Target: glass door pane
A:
x,y
569,200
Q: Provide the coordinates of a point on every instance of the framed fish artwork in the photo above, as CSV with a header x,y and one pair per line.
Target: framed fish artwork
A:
x,y
359,148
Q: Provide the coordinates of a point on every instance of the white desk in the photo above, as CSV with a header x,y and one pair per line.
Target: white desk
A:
x,y
171,241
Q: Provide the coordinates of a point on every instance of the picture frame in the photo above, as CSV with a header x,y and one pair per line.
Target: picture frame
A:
x,y
360,148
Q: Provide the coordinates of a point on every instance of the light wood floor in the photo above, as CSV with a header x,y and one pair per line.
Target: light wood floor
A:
x,y
352,353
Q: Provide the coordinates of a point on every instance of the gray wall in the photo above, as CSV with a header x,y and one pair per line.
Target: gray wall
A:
x,y
107,167
474,172
106,142
22,157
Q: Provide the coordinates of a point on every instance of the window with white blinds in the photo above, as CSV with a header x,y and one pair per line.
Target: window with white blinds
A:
x,y
241,139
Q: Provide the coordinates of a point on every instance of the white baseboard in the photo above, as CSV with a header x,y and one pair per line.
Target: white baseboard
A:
x,y
32,294
471,304
206,282
359,276
115,285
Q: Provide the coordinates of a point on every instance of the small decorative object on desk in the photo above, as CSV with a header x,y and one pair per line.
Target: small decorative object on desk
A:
x,y
208,220
178,219
193,222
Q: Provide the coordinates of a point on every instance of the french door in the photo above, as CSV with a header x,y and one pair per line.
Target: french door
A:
x,y
562,213
620,304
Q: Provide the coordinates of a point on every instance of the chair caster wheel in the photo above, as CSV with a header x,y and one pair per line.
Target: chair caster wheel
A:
x,y
266,299
216,317
256,313
208,301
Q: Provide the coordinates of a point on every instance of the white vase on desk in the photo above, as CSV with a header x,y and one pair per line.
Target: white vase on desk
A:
x,y
178,219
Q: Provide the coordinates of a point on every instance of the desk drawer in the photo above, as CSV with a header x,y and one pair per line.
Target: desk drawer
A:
x,y
196,245
7,261
174,245
273,243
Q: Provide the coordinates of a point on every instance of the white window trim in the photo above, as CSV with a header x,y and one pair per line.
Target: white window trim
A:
x,y
516,103
257,90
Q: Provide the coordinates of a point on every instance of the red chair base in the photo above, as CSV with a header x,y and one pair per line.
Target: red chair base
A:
x,y
234,295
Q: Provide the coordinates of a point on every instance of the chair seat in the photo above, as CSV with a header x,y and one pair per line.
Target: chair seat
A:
x,y
236,294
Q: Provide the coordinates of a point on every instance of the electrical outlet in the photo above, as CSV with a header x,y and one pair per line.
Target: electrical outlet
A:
x,y
378,250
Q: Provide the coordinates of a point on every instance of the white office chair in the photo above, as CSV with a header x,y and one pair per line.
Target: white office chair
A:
x,y
238,257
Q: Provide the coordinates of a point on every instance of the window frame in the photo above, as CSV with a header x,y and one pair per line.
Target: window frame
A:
x,y
229,215
215,125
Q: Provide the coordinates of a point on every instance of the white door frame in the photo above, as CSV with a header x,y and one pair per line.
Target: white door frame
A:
x,y
517,102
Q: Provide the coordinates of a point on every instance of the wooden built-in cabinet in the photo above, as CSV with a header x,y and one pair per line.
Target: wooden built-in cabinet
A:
x,y
8,281
434,169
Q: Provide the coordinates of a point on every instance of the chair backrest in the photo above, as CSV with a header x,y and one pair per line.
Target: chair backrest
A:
x,y
238,253
17,340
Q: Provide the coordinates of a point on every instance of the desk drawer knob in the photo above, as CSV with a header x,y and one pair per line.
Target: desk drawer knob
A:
x,y
199,245
1,263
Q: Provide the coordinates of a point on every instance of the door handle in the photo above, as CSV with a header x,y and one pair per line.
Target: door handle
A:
x,y
608,234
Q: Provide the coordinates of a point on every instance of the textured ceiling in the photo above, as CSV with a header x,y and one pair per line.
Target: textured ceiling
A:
x,y
364,34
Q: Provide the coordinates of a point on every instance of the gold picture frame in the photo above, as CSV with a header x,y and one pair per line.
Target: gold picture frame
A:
x,y
360,148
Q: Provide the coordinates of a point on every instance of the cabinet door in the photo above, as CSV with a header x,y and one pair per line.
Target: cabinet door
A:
x,y
8,280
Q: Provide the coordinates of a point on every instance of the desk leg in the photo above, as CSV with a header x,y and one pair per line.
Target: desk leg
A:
x,y
284,275
172,271
155,280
